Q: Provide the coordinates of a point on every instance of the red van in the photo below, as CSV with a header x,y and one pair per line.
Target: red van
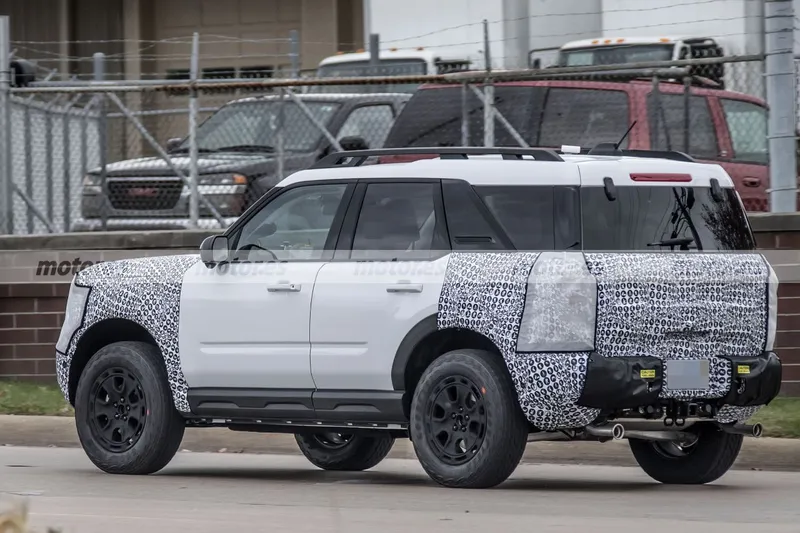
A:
x,y
723,127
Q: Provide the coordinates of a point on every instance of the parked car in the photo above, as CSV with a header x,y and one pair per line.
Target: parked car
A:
x,y
471,305
723,127
237,161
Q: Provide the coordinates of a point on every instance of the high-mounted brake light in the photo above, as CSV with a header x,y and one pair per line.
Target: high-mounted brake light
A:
x,y
662,177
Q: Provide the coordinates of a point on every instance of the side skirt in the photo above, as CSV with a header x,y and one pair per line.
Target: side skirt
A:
x,y
297,410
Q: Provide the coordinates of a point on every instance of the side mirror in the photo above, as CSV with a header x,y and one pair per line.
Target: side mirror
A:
x,y
174,143
536,64
214,250
353,143
23,73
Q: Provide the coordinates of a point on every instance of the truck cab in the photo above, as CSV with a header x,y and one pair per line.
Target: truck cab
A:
x,y
621,50
392,62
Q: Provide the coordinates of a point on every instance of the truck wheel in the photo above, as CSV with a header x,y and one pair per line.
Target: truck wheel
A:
x,y
124,413
334,451
467,428
703,460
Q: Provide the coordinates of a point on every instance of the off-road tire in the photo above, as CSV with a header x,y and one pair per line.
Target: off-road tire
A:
x,y
163,426
506,428
709,459
359,453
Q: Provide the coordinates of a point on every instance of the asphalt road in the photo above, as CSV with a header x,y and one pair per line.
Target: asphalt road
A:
x,y
202,492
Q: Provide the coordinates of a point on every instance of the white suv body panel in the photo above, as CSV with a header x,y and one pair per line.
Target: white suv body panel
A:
x,y
362,312
247,328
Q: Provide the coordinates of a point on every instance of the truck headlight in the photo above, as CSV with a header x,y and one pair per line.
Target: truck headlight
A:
x,y
91,184
560,306
73,317
223,179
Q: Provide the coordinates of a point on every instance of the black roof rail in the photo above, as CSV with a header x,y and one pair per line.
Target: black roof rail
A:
x,y
609,150
357,157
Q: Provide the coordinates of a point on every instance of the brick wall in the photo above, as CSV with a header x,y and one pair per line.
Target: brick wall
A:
x,y
32,308
31,313
30,321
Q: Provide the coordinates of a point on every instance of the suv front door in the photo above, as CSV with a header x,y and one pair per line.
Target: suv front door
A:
x,y
244,324
386,276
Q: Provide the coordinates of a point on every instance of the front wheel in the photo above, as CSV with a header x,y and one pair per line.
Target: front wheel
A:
x,y
335,451
125,416
706,457
467,427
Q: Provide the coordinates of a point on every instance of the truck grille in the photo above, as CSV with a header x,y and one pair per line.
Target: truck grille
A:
x,y
145,195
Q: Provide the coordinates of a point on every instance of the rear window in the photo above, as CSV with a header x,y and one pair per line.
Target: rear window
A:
x,y
542,116
432,117
643,216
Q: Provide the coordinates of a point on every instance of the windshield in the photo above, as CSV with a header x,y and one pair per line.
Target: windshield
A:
x,y
254,125
614,55
663,219
357,69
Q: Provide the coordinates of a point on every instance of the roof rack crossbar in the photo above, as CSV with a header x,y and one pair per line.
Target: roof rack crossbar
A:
x,y
357,157
660,154
610,149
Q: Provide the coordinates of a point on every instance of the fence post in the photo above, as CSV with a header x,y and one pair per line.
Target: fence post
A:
x,y
488,91
781,97
6,201
294,53
102,136
194,177
279,151
464,114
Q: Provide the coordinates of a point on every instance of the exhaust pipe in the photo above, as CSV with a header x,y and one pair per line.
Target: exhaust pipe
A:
x,y
616,432
664,436
755,430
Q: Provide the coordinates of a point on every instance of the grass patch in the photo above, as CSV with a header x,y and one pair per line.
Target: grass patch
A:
x,y
781,418
24,398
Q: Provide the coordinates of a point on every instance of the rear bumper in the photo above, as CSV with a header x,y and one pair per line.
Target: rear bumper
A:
x,y
631,382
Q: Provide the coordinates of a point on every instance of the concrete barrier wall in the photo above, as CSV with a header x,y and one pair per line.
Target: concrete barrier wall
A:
x,y
32,307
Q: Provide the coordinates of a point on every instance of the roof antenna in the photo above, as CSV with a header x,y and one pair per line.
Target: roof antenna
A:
x,y
616,146
611,149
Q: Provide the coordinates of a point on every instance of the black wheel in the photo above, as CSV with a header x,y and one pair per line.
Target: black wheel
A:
x,y
704,458
336,451
467,427
124,413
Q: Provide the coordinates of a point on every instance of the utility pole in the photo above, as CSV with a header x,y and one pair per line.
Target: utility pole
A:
x,y
781,97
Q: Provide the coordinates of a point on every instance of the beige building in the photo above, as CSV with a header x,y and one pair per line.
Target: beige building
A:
x,y
240,36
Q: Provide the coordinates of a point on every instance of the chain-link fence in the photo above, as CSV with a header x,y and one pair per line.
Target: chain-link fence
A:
x,y
126,155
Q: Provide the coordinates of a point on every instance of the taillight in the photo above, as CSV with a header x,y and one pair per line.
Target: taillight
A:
x,y
661,177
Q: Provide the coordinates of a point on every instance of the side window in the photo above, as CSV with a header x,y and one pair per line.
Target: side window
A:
x,y
397,221
294,225
372,123
584,117
525,213
747,124
668,129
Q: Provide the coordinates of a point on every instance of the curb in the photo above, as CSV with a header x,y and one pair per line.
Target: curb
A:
x,y
44,431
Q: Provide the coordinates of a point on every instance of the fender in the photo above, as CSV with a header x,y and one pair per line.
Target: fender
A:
x,y
424,327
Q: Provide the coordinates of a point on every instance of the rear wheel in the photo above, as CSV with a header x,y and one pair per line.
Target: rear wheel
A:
x,y
336,451
124,413
467,428
706,457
